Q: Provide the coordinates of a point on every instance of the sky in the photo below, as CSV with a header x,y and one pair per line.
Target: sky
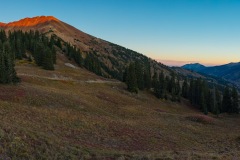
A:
x,y
174,32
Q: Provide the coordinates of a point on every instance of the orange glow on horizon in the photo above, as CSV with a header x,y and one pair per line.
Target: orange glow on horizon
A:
x,y
182,62
28,22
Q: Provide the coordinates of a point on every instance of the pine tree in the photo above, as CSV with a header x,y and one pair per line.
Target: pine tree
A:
x,y
162,84
139,75
47,59
131,79
147,78
210,101
217,101
191,91
185,89
7,71
178,90
2,65
203,104
155,81
235,101
226,102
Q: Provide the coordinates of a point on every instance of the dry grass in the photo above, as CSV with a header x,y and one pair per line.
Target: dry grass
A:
x,y
201,119
45,118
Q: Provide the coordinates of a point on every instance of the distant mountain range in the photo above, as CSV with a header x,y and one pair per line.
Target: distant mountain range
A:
x,y
229,72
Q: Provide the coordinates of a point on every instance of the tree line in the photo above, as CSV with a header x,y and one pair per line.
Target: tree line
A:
x,y
19,45
39,48
206,98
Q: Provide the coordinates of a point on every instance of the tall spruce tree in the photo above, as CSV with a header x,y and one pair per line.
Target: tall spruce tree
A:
x,y
47,59
131,79
147,78
235,101
185,88
7,71
226,101
139,75
217,103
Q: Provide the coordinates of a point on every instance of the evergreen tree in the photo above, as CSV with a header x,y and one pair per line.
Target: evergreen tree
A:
x,y
131,79
162,84
191,91
155,81
235,101
217,102
210,101
147,78
185,89
47,59
203,104
7,71
139,75
227,102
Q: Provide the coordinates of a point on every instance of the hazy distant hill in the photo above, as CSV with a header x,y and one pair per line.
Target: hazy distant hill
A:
x,y
194,67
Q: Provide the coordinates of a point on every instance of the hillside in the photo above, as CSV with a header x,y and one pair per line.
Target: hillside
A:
x,y
113,58
229,72
71,113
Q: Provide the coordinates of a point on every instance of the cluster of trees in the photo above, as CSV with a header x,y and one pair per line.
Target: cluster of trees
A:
x,y
42,48
7,71
197,91
92,64
210,99
35,46
164,86
28,45
71,52
137,77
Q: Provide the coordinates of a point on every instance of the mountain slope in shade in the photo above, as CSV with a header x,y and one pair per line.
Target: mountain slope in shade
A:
x,y
194,67
230,72
115,57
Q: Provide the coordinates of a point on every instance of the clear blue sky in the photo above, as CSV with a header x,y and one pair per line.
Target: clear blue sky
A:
x,y
206,31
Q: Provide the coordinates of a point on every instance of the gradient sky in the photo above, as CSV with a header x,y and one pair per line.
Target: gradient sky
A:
x,y
172,31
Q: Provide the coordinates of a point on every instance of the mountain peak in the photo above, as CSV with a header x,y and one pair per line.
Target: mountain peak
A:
x,y
2,24
28,22
194,66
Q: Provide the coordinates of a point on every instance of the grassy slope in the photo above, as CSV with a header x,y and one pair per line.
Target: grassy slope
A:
x,y
69,113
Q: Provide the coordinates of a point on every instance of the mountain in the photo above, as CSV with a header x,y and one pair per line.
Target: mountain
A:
x,y
194,67
113,58
229,72
71,113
